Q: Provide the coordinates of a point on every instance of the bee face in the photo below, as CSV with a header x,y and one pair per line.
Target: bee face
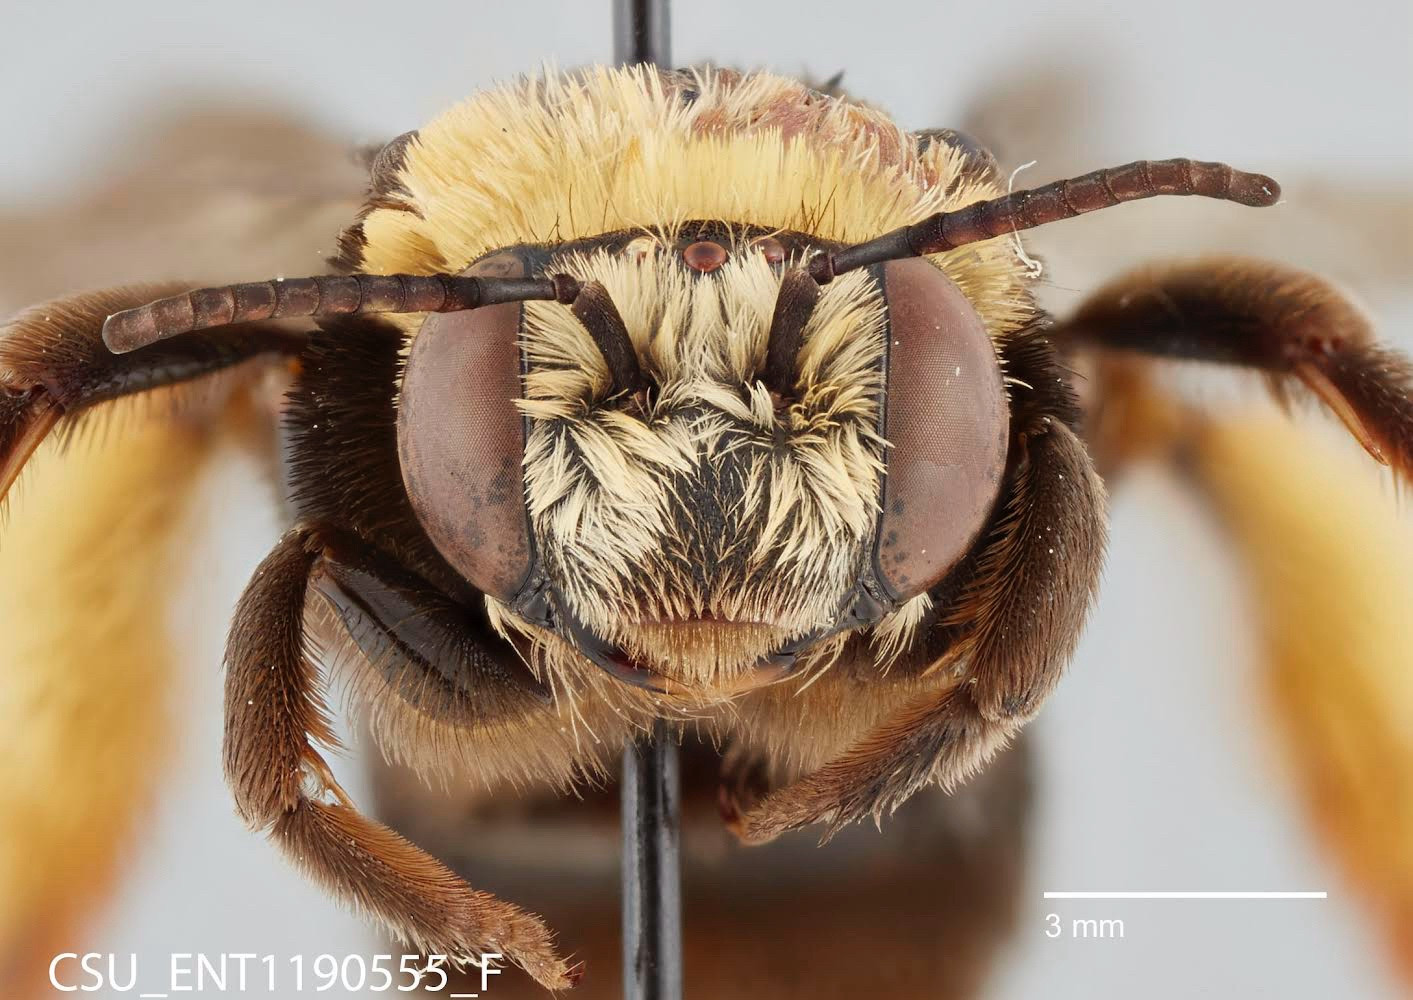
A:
x,y
692,454
706,524
698,522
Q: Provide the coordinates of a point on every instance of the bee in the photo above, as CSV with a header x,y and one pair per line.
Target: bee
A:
x,y
697,396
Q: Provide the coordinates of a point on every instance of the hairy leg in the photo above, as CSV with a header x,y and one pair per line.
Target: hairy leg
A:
x,y
1291,326
275,715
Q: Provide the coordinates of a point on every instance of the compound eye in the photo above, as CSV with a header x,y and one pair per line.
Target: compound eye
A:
x,y
461,440
947,424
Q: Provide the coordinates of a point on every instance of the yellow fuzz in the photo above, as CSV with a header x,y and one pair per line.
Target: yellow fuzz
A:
x,y
85,569
574,155
615,492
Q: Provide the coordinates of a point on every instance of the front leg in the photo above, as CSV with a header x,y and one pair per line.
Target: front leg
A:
x,y
275,714
1291,326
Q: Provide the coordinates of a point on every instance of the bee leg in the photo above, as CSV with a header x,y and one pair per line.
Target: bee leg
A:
x,y
1293,327
54,365
275,714
1014,624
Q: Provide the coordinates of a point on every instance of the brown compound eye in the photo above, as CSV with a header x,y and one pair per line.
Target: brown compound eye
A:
x,y
947,425
461,440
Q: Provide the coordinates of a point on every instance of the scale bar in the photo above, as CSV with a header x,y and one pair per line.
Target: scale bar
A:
x,y
1186,895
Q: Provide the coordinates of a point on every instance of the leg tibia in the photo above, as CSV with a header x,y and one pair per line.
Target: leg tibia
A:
x,y
273,712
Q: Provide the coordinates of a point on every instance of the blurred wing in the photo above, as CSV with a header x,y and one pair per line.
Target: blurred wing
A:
x,y
1330,566
86,566
94,536
1327,554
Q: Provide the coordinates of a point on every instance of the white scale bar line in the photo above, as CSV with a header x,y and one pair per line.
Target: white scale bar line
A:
x,y
1186,895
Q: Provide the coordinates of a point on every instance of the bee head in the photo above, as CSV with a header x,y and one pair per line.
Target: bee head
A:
x,y
707,464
